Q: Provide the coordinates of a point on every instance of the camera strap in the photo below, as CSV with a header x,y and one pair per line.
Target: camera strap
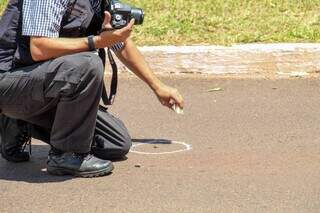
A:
x,y
108,100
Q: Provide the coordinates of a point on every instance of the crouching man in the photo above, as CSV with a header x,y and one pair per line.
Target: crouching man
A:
x,y
51,81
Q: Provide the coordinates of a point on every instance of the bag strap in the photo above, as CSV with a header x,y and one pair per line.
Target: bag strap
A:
x,y
108,100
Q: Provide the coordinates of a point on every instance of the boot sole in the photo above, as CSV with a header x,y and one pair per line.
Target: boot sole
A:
x,y
13,159
63,171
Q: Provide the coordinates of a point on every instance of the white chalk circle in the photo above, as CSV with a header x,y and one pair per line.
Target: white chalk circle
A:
x,y
185,147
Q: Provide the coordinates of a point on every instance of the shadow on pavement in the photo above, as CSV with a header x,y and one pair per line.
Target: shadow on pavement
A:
x,y
152,141
33,171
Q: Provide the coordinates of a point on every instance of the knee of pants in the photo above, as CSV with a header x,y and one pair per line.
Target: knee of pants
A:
x,y
124,141
76,72
94,66
112,148
126,145
123,146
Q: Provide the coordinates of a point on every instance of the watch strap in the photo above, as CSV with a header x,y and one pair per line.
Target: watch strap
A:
x,y
91,44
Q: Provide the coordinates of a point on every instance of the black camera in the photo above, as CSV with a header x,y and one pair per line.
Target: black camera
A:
x,y
121,14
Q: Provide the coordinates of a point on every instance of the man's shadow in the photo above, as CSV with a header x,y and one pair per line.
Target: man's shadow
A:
x,y
33,171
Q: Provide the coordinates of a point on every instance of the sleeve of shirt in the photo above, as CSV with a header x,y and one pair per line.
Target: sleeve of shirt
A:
x,y
117,47
43,17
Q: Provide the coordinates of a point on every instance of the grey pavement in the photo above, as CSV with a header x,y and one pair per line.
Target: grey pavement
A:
x,y
255,148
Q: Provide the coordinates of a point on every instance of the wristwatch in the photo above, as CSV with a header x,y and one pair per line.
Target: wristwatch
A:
x,y
92,46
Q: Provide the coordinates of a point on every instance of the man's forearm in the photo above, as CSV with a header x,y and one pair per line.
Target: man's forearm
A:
x,y
48,48
43,48
133,59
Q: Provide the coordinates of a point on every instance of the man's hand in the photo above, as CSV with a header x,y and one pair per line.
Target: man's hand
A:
x,y
169,96
110,36
133,59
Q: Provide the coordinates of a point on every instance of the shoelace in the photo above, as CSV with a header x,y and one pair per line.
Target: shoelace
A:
x,y
25,138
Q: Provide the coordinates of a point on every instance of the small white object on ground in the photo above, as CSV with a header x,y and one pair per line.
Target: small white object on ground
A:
x,y
214,89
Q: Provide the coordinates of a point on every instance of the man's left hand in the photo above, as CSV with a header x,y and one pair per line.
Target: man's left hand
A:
x,y
169,96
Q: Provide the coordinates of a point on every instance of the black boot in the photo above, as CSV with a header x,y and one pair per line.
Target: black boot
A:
x,y
82,165
14,136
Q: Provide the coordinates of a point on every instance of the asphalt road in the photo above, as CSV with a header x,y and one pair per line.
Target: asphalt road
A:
x,y
254,146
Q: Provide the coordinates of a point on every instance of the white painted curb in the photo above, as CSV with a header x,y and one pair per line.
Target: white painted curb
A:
x,y
247,59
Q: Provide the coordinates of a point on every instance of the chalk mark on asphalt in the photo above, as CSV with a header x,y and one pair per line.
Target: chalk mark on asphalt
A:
x,y
187,147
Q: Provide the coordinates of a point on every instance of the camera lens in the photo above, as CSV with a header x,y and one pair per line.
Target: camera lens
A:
x,y
118,17
138,15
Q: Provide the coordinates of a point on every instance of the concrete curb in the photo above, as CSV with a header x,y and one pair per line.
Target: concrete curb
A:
x,y
297,59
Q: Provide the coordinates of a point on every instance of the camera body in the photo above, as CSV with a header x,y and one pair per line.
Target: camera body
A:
x,y
121,14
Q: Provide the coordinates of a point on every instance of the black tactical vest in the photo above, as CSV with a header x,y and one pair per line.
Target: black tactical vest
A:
x,y
78,21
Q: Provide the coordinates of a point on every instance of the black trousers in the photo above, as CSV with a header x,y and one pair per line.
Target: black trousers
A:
x,y
59,98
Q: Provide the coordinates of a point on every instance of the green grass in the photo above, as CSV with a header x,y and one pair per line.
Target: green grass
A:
x,y
2,5
227,21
